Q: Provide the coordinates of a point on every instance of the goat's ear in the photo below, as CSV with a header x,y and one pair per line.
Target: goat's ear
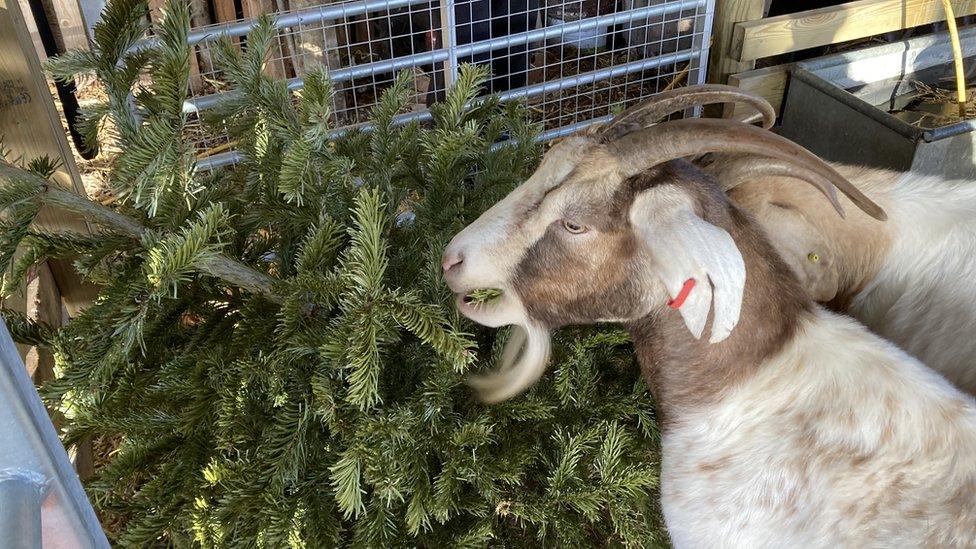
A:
x,y
684,246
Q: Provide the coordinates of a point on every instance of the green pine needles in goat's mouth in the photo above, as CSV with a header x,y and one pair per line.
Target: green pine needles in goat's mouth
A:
x,y
483,296
273,359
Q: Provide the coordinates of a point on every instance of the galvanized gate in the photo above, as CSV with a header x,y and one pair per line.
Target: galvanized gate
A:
x,y
574,62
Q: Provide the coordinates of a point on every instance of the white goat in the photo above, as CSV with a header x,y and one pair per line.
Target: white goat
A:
x,y
787,426
911,279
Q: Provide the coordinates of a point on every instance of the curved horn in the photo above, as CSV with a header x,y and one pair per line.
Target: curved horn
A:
x,y
733,171
667,141
651,110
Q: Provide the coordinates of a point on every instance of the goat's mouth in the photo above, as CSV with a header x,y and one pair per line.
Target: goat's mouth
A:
x,y
489,306
482,296
482,299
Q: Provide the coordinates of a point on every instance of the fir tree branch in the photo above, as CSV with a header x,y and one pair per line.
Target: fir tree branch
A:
x,y
220,266
26,330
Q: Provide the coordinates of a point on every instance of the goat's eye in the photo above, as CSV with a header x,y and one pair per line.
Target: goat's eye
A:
x,y
573,227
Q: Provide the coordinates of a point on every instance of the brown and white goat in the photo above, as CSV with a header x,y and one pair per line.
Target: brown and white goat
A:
x,y
911,280
783,425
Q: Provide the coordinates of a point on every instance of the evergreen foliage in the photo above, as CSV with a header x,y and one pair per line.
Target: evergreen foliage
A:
x,y
337,414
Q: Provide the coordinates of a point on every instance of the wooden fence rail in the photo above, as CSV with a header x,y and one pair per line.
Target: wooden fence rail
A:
x,y
744,39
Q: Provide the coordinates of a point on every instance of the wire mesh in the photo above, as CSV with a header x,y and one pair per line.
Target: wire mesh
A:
x,y
573,62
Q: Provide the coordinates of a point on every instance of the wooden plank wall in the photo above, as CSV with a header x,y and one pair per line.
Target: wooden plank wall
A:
x,y
740,40
760,38
31,127
296,52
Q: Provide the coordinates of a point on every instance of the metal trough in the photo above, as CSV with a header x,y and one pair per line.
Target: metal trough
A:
x,y
837,106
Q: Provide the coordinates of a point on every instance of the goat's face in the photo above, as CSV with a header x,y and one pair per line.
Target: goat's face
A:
x,y
581,242
560,246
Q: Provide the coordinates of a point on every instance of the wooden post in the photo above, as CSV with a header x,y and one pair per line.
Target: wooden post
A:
x,y
275,65
31,127
70,31
32,29
769,83
200,59
43,303
727,14
316,48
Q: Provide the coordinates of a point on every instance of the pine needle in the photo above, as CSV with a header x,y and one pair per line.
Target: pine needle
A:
x,y
484,296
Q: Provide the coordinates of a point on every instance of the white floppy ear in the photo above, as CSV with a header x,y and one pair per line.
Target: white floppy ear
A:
x,y
685,247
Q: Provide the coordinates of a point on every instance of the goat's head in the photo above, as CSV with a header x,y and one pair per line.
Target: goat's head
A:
x,y
608,228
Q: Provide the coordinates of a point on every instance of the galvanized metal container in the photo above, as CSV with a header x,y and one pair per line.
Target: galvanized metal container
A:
x,y
838,107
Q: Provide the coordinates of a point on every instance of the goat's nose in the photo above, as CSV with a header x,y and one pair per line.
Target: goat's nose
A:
x,y
451,259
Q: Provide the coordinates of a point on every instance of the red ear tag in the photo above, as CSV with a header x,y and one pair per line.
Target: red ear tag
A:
x,y
679,299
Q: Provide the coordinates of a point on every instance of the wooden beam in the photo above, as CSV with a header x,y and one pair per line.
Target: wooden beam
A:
x,y
769,83
275,65
43,304
70,24
32,28
727,14
820,27
200,60
31,127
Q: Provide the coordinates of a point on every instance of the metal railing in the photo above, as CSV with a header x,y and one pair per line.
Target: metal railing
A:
x,y
565,58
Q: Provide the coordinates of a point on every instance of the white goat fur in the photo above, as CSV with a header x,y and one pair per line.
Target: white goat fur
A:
x,y
920,291
841,440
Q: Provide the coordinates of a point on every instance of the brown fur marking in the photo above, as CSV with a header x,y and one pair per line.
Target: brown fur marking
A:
x,y
854,245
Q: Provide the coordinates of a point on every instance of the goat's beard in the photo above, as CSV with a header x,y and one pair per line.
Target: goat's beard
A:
x,y
523,363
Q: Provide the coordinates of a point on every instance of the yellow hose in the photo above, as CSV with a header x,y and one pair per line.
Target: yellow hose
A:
x,y
219,148
957,56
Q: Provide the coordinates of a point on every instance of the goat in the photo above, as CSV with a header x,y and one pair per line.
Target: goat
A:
x,y
783,424
911,280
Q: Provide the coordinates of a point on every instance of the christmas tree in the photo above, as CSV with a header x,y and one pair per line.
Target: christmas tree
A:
x,y
273,359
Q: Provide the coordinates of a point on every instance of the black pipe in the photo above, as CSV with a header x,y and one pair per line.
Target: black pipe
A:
x,y
66,90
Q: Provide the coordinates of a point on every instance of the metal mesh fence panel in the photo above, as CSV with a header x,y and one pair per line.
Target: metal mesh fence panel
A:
x,y
573,62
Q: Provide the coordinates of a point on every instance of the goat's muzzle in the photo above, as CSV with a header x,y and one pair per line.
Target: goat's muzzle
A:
x,y
453,263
